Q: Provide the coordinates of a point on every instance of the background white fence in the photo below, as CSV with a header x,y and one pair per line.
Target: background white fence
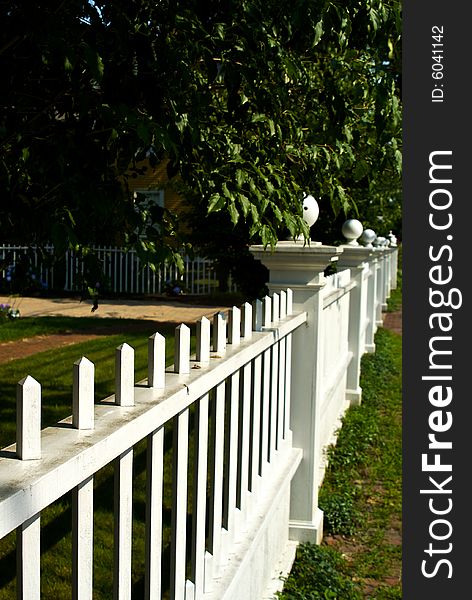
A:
x,y
123,270
265,390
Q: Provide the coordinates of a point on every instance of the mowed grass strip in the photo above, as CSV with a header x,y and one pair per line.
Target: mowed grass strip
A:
x,y
53,369
28,327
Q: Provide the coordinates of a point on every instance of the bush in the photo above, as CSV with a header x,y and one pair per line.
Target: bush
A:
x,y
339,512
320,572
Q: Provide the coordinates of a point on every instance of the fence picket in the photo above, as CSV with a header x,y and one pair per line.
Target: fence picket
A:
x,y
154,494
289,301
232,460
28,559
275,307
281,393
257,311
124,375
274,397
179,507
157,361
255,424
199,496
216,481
219,332
28,419
83,394
123,525
203,341
288,384
243,459
182,349
266,311
234,329
246,320
82,541
283,304
265,417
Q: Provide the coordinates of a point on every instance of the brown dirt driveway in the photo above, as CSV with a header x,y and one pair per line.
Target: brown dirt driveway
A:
x,y
159,311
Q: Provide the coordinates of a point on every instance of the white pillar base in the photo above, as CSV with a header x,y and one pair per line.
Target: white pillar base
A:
x,y
306,531
354,396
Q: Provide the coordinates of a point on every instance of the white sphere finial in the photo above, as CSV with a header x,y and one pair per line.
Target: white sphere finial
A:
x,y
367,237
311,210
393,239
352,230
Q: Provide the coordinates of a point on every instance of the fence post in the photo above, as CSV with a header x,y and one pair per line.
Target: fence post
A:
x,y
388,274
379,288
354,258
301,268
394,267
371,305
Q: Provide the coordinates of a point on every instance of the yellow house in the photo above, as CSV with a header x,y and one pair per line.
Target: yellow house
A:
x,y
155,184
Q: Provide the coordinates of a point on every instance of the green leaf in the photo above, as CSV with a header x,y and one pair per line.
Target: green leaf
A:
x,y
398,160
318,32
269,186
240,177
226,191
277,213
67,64
233,213
179,262
254,213
343,198
215,203
245,204
265,235
220,30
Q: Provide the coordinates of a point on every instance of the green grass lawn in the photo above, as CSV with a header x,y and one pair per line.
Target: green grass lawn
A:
x,y
53,368
17,329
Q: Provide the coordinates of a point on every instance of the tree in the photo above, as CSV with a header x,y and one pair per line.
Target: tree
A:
x,y
306,99
252,102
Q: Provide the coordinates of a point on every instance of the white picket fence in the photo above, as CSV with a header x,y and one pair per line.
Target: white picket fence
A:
x,y
267,386
123,270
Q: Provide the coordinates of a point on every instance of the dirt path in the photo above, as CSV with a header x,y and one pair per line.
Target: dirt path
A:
x,y
393,321
22,348
26,347
158,311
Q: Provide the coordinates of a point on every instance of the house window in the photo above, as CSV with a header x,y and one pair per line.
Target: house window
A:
x,y
151,198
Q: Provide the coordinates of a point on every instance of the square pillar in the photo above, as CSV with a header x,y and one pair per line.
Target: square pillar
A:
x,y
354,258
371,304
379,291
300,267
394,267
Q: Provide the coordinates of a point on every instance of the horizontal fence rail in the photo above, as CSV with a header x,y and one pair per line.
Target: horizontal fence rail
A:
x,y
244,420
123,271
